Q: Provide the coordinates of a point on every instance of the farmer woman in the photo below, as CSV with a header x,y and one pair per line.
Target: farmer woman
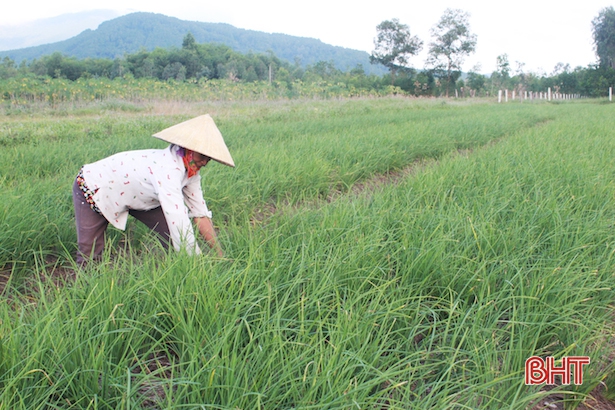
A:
x,y
159,187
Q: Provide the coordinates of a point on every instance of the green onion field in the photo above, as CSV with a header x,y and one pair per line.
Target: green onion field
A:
x,y
380,253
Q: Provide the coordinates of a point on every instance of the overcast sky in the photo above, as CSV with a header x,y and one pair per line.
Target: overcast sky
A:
x,y
536,33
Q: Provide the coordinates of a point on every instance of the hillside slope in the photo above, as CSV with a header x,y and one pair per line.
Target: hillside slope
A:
x,y
132,32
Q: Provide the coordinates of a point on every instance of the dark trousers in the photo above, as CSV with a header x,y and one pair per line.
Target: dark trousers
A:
x,y
91,227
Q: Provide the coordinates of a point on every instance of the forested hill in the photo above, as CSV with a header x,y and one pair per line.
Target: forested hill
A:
x,y
136,31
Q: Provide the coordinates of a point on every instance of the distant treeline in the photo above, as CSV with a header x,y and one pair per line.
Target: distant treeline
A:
x,y
195,62
591,81
192,62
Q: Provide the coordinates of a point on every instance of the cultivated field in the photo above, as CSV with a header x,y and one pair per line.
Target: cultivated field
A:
x,y
379,253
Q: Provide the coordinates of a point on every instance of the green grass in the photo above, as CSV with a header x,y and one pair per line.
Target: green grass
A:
x,y
284,153
428,293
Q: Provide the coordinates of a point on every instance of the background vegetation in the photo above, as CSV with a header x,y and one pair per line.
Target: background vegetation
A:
x,y
196,66
134,49
248,76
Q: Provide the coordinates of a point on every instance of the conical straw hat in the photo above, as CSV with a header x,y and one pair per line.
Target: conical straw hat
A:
x,y
199,134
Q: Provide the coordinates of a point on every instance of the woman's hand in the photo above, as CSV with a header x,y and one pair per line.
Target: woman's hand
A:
x,y
206,228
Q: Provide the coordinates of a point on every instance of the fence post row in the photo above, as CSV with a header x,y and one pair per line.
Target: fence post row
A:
x,y
548,95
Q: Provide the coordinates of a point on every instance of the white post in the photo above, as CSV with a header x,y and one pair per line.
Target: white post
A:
x,y
549,93
506,95
499,96
513,96
610,93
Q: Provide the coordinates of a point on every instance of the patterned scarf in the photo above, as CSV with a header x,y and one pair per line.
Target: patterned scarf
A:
x,y
189,163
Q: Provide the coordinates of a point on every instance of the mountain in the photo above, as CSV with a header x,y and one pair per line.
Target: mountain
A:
x,y
133,32
52,29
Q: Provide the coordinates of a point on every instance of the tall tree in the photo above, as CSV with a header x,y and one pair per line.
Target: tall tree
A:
x,y
604,36
503,66
476,81
452,42
394,46
189,42
501,76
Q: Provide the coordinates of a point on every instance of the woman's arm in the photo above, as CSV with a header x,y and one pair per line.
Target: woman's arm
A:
x,y
206,228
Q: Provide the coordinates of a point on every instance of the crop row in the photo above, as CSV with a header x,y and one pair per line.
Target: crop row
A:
x,y
28,90
428,293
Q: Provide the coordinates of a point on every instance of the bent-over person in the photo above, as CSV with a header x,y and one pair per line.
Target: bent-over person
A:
x,y
159,187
